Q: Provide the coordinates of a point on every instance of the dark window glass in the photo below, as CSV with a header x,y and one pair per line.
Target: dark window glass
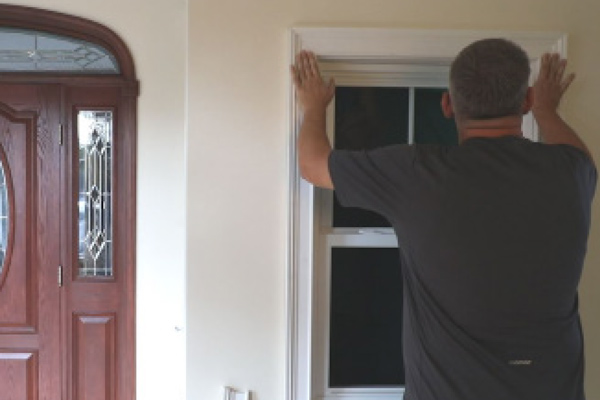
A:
x,y
367,118
349,217
370,117
431,126
366,318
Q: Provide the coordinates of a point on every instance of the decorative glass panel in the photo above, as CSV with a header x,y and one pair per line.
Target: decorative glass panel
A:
x,y
367,118
366,318
94,130
35,51
4,217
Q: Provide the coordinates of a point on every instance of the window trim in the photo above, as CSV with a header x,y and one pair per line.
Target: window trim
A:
x,y
360,55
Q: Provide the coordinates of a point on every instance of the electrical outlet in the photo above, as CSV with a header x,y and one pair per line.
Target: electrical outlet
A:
x,y
232,394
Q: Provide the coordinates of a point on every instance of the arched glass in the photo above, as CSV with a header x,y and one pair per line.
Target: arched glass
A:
x,y
4,217
36,51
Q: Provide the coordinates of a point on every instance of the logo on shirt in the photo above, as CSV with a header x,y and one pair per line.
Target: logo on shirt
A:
x,y
520,362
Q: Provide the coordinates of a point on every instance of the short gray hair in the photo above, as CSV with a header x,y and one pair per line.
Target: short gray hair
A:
x,y
489,79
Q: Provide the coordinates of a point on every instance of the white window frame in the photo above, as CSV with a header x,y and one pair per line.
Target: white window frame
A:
x,y
363,57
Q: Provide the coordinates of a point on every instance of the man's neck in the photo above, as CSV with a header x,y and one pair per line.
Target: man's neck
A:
x,y
490,128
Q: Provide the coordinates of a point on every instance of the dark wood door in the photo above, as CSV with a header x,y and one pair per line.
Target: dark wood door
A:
x,y
66,319
29,291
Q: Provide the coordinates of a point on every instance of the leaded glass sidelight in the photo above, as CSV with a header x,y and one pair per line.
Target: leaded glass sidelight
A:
x,y
4,218
35,51
94,129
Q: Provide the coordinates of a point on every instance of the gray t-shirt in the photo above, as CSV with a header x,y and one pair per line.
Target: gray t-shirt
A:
x,y
492,236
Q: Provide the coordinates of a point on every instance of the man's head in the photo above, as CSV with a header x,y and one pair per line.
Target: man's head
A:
x,y
489,79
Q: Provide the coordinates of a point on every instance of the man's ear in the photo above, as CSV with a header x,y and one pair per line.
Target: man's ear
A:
x,y
447,109
528,102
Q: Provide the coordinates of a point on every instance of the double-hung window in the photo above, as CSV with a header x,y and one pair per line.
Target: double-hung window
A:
x,y
345,277
358,296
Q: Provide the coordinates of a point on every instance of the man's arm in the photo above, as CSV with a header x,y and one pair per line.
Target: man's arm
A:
x,y
548,91
314,95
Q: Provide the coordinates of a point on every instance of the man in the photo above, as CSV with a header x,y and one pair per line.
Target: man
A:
x,y
492,232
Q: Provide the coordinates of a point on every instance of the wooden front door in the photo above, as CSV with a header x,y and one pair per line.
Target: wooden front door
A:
x,y
30,332
66,277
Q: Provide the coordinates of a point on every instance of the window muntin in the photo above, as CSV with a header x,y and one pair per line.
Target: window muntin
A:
x,y
94,131
41,52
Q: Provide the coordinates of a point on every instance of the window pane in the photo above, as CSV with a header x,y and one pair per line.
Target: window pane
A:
x,y
366,318
367,118
430,124
4,217
370,117
35,51
95,193
348,217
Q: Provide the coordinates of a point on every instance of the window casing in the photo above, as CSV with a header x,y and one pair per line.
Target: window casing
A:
x,y
359,58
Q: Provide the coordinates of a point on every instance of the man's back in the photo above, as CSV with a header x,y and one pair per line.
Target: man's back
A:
x,y
492,236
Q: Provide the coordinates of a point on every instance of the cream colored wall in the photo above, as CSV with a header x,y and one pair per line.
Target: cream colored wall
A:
x,y
238,91
155,32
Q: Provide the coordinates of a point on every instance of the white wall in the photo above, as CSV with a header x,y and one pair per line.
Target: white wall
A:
x,y
155,32
238,88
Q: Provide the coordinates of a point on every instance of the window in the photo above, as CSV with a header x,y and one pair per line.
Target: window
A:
x,y
358,308
345,337
94,203
6,215
24,50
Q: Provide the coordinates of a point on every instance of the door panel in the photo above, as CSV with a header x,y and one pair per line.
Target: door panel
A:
x,y
18,372
29,296
94,350
99,309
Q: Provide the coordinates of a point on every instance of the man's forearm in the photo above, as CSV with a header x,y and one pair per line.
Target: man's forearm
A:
x,y
554,130
313,95
314,147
